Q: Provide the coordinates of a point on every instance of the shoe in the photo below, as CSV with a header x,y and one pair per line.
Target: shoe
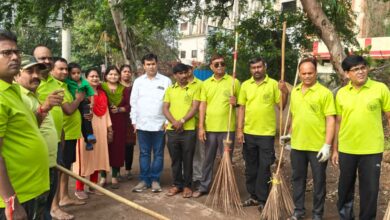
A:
x,y
88,146
296,216
114,183
129,175
250,202
260,208
187,193
198,194
141,186
102,182
81,195
173,191
156,187
94,191
317,217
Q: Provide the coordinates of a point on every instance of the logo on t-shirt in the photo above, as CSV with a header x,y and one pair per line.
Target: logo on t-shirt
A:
x,y
372,105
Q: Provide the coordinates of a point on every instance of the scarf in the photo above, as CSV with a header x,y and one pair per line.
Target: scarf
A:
x,y
100,103
114,97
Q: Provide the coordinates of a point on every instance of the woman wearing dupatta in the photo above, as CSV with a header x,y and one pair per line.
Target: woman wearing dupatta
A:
x,y
118,98
88,163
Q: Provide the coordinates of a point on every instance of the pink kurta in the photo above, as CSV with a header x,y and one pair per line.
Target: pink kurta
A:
x,y
96,159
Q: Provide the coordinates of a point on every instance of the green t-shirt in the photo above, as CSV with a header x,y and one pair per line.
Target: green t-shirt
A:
x,y
216,94
24,150
72,123
84,86
45,88
47,127
180,102
309,113
361,129
259,101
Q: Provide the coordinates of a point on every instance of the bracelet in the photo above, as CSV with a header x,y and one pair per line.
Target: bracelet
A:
x,y
11,202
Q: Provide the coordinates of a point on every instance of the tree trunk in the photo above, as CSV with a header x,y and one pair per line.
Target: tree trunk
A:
x,y
327,33
123,34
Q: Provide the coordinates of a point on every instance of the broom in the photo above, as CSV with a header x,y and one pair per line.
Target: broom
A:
x,y
279,204
387,214
224,194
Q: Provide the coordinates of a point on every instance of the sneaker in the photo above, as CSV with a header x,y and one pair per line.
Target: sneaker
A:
x,y
81,195
91,139
141,186
156,187
250,202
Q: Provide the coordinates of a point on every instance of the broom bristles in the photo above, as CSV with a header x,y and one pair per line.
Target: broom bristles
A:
x,y
224,194
279,204
387,214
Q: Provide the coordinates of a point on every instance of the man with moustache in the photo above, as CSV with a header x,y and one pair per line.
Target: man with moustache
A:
x,y
24,160
256,129
47,86
312,131
29,79
359,140
180,106
216,100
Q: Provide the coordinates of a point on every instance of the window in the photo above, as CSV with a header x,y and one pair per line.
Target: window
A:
x,y
182,54
194,54
184,26
289,5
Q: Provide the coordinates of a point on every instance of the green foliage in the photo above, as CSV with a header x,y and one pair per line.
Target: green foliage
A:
x,y
261,35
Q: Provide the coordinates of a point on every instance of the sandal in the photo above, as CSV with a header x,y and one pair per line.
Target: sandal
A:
x,y
187,193
250,202
173,191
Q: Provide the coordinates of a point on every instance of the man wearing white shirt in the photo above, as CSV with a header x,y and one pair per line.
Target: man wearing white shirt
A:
x,y
146,114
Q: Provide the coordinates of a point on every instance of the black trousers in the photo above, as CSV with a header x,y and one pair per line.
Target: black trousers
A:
x,y
259,155
299,164
86,125
35,208
181,148
368,168
129,153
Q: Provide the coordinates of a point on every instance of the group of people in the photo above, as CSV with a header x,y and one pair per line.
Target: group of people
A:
x,y
50,114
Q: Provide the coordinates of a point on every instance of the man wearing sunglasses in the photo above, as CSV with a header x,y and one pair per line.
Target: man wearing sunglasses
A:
x,y
216,98
359,141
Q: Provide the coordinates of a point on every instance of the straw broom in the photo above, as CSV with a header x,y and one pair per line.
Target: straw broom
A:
x,y
387,214
279,204
224,194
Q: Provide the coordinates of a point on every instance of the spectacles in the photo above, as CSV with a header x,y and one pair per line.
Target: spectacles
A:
x,y
358,69
8,53
45,58
216,65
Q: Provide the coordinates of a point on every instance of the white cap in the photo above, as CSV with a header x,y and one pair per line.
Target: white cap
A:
x,y
187,62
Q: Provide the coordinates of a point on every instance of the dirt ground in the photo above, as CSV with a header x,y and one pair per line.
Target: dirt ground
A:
x,y
102,207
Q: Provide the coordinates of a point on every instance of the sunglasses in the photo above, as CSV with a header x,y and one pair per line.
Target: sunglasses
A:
x,y
216,65
358,69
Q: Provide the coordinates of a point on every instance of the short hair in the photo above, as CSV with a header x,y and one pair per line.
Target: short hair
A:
x,y
39,45
60,59
149,57
257,60
351,61
73,65
90,70
125,66
8,35
180,67
109,68
311,60
215,57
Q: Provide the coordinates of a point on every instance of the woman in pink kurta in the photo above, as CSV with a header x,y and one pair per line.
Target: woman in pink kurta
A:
x,y
89,163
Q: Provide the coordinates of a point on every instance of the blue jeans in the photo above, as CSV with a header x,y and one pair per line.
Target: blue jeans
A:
x,y
148,141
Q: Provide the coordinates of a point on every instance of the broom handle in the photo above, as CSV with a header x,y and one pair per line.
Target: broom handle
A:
x,y
233,86
281,97
289,104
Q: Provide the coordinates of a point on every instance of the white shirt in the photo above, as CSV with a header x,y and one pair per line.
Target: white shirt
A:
x,y
146,102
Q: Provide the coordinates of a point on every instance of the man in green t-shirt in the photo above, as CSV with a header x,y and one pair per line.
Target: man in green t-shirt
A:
x,y
216,98
312,131
24,160
256,129
359,140
180,106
